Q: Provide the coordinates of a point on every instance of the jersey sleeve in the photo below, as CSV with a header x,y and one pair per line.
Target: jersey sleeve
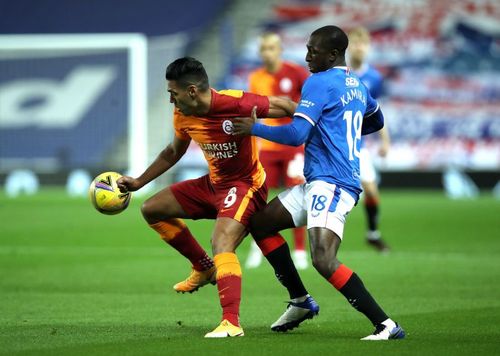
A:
x,y
371,104
294,134
178,127
249,100
314,97
236,103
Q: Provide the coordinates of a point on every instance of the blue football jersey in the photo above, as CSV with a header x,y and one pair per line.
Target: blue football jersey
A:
x,y
334,102
372,79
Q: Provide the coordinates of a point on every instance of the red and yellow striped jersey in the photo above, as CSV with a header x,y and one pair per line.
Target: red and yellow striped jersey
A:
x,y
287,81
229,157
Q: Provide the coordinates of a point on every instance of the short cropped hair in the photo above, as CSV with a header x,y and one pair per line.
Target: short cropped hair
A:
x,y
188,71
332,37
270,36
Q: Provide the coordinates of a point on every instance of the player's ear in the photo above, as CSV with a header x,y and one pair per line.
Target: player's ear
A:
x,y
334,53
192,91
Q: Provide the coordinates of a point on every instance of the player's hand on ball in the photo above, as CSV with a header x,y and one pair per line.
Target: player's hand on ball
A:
x,y
243,126
128,184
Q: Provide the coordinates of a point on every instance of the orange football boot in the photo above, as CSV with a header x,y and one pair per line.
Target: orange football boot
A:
x,y
196,280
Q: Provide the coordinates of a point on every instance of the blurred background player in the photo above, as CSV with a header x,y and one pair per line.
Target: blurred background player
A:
x,y
283,164
359,47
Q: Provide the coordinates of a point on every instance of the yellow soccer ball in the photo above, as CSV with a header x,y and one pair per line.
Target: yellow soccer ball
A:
x,y
105,195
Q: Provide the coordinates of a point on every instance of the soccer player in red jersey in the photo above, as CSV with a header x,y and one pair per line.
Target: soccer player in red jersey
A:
x,y
283,164
233,190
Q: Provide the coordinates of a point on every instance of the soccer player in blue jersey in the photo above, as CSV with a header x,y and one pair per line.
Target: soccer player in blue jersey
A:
x,y
359,46
335,110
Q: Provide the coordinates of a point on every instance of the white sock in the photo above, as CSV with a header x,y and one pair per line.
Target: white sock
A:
x,y
373,235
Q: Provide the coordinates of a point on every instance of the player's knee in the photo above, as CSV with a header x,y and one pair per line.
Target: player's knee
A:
x,y
324,262
223,243
370,190
149,210
320,264
257,233
146,209
224,240
259,229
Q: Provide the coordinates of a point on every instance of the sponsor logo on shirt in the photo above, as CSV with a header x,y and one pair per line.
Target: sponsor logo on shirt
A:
x,y
286,85
306,103
220,150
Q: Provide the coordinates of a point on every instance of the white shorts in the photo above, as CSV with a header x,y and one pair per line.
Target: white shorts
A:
x,y
318,204
367,171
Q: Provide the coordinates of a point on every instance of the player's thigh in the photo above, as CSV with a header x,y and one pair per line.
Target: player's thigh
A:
x,y
240,201
235,206
283,212
368,175
197,197
370,189
327,206
367,172
327,209
227,235
162,205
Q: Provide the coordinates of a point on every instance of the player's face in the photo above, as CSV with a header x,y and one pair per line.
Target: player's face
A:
x,y
358,49
318,57
270,51
182,98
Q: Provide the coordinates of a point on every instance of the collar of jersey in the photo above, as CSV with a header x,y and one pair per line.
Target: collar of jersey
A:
x,y
346,68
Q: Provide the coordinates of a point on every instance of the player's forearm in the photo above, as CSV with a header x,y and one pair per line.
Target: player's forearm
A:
x,y
294,134
384,136
165,160
281,107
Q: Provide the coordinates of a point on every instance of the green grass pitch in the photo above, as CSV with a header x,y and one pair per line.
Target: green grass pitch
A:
x,y
75,282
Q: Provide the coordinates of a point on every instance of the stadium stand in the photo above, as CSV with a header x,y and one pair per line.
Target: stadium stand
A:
x,y
151,17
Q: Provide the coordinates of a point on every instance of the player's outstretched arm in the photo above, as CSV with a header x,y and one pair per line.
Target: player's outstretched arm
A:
x,y
385,139
281,107
294,134
165,160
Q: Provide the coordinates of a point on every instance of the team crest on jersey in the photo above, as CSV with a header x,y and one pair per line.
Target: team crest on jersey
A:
x,y
228,127
286,85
